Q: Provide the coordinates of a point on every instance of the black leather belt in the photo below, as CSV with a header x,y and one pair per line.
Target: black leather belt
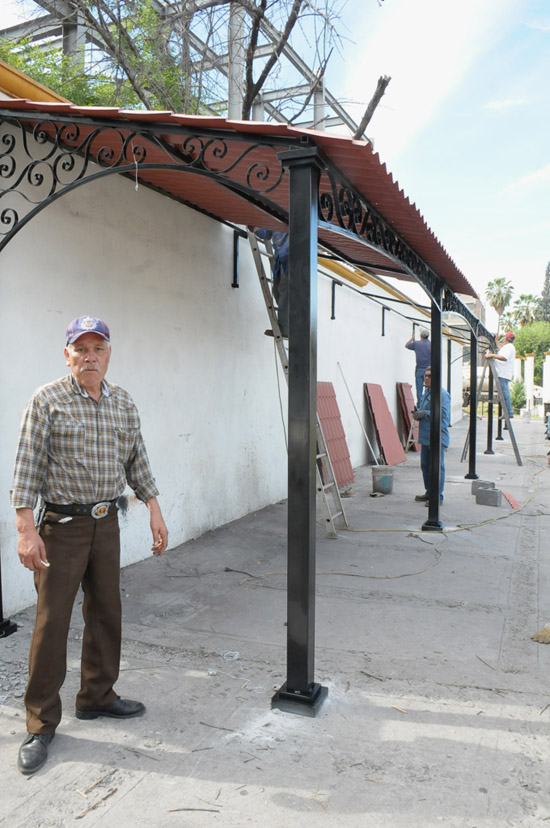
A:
x,y
96,510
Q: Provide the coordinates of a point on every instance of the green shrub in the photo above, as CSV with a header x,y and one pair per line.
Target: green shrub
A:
x,y
517,395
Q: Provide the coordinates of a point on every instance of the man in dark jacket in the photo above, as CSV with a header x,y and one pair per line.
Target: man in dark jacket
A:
x,y
422,414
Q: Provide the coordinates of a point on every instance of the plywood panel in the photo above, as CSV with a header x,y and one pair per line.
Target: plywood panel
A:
x,y
386,432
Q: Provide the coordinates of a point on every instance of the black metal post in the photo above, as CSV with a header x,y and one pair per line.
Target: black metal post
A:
x,y
235,282
300,693
473,410
499,428
433,523
490,415
335,283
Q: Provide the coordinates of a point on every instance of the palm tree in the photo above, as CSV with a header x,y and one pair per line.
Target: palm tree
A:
x,y
498,294
508,321
525,309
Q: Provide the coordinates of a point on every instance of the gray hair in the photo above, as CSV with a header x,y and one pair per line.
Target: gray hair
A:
x,y
424,334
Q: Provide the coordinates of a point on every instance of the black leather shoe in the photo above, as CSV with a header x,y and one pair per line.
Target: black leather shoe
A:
x,y
422,498
33,753
119,709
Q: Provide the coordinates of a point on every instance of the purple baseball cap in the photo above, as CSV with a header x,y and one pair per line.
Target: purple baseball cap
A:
x,y
86,324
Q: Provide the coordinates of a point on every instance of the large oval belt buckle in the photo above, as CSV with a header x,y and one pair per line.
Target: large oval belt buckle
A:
x,y
100,510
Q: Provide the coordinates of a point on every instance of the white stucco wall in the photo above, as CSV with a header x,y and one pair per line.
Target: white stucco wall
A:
x,y
352,351
187,346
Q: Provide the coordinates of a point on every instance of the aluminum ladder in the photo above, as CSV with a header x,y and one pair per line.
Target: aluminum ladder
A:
x,y
326,480
500,399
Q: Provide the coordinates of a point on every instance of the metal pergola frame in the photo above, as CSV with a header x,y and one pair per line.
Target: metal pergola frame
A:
x,y
44,155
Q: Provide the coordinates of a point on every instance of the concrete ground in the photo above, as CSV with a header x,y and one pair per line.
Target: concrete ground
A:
x,y
438,708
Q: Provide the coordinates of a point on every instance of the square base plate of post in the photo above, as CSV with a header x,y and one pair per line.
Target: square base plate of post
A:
x,y
301,703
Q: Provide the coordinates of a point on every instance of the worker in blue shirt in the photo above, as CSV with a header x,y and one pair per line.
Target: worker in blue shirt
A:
x,y
280,275
423,349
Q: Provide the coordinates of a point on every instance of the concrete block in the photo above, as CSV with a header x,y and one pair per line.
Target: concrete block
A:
x,y
481,484
489,496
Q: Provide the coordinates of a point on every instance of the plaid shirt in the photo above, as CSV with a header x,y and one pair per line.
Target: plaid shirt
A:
x,y
74,450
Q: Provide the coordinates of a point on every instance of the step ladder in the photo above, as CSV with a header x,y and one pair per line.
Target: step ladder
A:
x,y
411,440
500,399
326,480
504,408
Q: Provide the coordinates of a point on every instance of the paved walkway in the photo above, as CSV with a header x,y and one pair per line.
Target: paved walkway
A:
x,y
438,709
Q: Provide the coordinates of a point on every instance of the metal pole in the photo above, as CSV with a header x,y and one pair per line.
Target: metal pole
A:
x,y
449,363
499,427
358,417
236,62
473,410
300,693
235,282
433,523
490,415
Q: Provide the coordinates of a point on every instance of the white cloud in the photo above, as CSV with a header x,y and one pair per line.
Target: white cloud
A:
x,y
427,47
511,103
539,25
532,179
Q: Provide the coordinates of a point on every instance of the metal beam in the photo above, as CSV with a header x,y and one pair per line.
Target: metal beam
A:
x,y
300,693
472,475
490,416
433,523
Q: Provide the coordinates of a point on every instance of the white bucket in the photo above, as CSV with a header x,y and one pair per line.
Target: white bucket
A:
x,y
382,479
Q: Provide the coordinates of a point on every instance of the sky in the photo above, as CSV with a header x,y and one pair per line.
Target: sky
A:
x,y
463,124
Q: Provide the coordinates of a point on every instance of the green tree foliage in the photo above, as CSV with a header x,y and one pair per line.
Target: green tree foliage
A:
x,y
68,75
498,294
173,56
525,309
507,321
543,309
517,395
534,339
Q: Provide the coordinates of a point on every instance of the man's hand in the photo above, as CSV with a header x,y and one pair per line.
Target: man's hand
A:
x,y
30,546
158,527
419,414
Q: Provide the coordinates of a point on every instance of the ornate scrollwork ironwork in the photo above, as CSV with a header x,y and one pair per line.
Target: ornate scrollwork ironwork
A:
x,y
340,204
452,304
40,159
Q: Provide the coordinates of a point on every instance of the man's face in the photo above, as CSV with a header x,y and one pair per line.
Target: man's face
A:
x,y
88,358
428,379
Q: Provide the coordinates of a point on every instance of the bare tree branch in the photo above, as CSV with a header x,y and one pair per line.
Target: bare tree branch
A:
x,y
373,103
252,88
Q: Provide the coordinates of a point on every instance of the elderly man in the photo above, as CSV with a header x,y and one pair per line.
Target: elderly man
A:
x,y
80,443
423,351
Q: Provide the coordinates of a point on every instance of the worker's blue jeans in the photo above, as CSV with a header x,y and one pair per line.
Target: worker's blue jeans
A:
x,y
425,466
505,385
419,377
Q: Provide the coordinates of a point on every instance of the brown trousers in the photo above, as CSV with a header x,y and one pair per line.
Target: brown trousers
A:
x,y
82,551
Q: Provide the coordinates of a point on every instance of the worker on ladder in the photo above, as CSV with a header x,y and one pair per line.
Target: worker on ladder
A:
x,y
504,365
280,275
